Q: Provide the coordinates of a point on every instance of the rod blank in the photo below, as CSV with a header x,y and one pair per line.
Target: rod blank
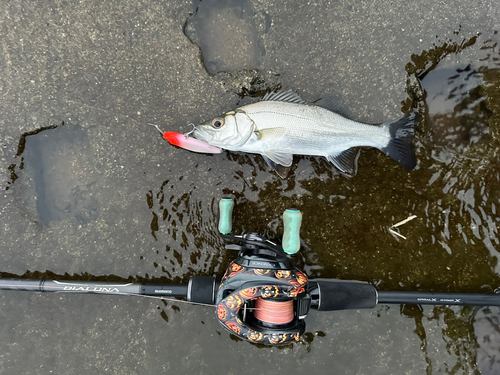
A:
x,y
59,286
431,298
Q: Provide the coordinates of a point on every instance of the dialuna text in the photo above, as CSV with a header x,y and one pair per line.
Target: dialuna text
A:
x,y
91,289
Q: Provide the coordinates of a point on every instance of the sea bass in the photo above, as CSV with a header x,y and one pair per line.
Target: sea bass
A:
x,y
282,125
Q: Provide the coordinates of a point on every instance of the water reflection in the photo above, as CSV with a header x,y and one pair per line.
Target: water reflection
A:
x,y
452,91
187,225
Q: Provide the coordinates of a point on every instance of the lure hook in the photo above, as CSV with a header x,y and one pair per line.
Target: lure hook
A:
x,y
191,131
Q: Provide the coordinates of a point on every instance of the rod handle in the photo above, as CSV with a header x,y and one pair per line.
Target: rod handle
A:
x,y
343,294
226,206
292,219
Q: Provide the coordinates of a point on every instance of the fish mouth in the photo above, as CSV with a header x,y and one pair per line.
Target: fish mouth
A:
x,y
203,134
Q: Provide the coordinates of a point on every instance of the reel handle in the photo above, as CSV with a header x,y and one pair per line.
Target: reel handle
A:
x,y
226,206
292,219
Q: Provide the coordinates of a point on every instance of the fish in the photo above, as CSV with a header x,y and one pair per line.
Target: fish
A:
x,y
282,124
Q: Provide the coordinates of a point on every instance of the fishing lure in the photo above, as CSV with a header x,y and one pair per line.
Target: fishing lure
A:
x,y
188,143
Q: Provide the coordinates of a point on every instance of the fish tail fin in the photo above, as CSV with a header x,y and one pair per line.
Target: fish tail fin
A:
x,y
400,147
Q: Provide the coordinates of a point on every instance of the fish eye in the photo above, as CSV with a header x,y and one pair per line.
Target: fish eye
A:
x,y
217,123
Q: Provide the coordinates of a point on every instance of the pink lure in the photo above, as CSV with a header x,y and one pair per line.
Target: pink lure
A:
x,y
191,144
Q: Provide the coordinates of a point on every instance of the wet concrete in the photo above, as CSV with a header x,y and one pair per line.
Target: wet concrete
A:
x,y
109,69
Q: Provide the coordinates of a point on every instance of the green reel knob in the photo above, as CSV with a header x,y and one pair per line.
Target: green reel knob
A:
x,y
292,219
226,215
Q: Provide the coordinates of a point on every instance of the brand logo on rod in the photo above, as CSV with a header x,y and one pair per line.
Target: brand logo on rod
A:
x,y
452,300
426,299
91,289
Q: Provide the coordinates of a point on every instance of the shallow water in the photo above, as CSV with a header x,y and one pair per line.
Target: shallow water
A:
x,y
229,34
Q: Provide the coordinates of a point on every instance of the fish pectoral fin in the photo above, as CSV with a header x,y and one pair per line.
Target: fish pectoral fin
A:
x,y
279,158
265,134
346,161
280,170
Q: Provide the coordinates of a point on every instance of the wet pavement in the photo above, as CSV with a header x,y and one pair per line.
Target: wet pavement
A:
x,y
90,191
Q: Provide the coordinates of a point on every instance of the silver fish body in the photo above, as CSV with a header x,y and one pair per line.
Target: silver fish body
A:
x,y
283,125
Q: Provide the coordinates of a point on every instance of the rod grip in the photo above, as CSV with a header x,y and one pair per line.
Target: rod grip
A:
x,y
344,295
292,219
226,215
202,289
164,290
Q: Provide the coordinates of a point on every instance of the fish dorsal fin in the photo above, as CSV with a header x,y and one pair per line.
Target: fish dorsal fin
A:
x,y
283,96
346,161
280,170
332,103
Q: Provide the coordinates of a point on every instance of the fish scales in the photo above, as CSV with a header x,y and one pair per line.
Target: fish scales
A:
x,y
282,125
310,129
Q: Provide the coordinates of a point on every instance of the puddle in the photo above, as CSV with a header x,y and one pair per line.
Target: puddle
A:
x,y
58,162
451,91
229,34
183,223
457,114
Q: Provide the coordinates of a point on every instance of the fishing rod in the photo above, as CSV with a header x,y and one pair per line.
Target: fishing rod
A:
x,y
262,297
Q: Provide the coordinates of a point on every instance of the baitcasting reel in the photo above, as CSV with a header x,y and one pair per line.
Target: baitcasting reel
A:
x,y
262,296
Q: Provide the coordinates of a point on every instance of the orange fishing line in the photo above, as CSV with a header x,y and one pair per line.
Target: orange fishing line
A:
x,y
274,312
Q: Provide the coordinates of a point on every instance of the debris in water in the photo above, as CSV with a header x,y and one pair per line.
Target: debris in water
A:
x,y
391,229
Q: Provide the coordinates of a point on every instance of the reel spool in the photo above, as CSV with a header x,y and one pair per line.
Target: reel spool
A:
x,y
262,297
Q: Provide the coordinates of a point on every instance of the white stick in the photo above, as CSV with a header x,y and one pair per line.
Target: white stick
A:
x,y
396,233
404,221
391,229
